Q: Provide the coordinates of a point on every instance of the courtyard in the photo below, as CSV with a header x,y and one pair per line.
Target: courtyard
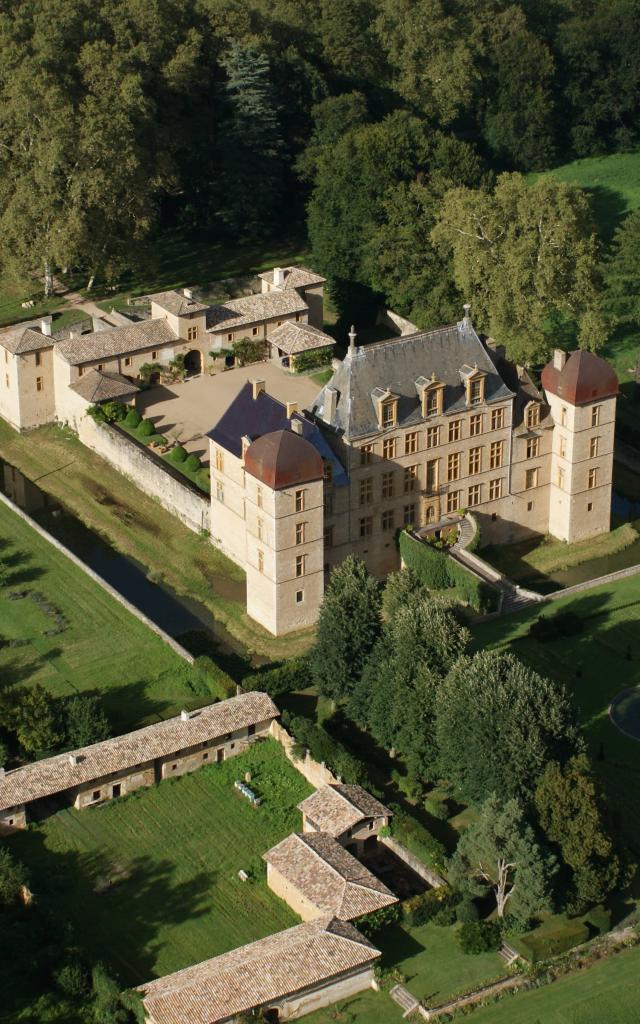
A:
x,y
186,411
149,883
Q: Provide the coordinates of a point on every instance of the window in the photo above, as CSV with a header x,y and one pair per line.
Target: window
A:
x,y
529,506
301,533
560,478
192,333
219,460
38,358
327,504
430,514
433,437
476,392
533,447
531,479
39,384
328,536
453,501
229,337
562,446
388,414
300,561
96,794
366,526
260,561
497,419
366,452
327,471
595,416
495,454
386,520
432,404
80,371
279,323
254,331
299,596
219,492
410,479
411,443
127,360
389,448
533,415
475,424
455,430
495,489
154,355
474,495
299,501
205,757
453,466
101,367
563,416
475,461
251,730
409,515
594,444
297,318
259,497
593,478
387,485
259,526
432,476
589,506
366,490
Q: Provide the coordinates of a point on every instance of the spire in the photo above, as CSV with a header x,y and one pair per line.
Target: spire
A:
x,y
466,320
352,341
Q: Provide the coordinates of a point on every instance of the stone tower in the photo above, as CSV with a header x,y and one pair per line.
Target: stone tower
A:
x,y
581,390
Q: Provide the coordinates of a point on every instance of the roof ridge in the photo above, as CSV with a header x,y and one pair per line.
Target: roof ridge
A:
x,y
399,338
301,836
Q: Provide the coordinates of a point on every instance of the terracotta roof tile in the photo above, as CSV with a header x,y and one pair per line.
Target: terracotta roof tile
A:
x,y
295,277
24,338
292,337
86,348
100,386
252,309
177,303
334,809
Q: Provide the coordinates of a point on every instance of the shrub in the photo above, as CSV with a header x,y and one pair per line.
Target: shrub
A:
x,y
467,911
247,351
178,454
430,905
479,937
146,428
378,920
313,360
291,675
417,839
437,808
206,679
322,747
437,572
133,418
192,463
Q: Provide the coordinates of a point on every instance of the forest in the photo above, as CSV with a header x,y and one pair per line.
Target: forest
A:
x,y
394,137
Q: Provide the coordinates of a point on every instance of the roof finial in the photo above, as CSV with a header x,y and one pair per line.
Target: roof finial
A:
x,y
352,341
466,320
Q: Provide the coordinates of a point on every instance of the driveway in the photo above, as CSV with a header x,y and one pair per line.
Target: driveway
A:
x,y
187,411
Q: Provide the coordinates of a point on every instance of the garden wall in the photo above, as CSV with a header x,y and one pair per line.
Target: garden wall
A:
x,y
316,774
148,473
430,877
438,570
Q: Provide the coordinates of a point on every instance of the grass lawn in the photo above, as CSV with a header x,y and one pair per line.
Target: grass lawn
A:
x,y
136,525
613,181
150,883
606,992
101,648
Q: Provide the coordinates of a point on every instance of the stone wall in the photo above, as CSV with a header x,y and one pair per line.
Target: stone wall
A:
x,y
148,473
416,865
315,773
125,782
343,987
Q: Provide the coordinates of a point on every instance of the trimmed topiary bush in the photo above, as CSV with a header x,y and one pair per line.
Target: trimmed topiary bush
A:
x,y
146,428
133,418
480,937
467,911
192,463
178,454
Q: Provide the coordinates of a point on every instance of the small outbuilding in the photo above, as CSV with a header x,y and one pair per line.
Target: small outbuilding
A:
x,y
346,812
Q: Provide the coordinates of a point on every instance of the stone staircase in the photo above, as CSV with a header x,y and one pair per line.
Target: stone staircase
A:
x,y
508,954
466,533
407,1003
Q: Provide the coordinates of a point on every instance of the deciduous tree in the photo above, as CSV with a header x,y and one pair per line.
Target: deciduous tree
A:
x,y
622,272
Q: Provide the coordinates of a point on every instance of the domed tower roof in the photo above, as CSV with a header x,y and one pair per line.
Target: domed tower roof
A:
x,y
283,459
583,378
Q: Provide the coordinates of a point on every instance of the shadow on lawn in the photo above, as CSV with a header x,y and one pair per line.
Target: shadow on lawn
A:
x,y
114,907
397,945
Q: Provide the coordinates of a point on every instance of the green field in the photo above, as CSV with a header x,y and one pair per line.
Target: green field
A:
x,y
606,993
149,883
101,647
613,181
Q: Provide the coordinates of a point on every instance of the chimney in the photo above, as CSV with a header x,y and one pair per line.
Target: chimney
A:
x,y
257,387
73,760
188,294
466,320
330,403
559,359
185,716
3,772
246,441
352,341
278,277
45,326
297,425
291,408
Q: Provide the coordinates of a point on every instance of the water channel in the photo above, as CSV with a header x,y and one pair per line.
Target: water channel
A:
x,y
174,613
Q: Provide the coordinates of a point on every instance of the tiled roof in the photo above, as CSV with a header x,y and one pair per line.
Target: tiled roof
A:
x,y
293,338
334,809
295,277
396,365
254,309
177,303
24,338
584,378
261,973
116,342
328,876
100,386
56,774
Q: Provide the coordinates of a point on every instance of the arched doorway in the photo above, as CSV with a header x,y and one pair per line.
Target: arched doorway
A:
x,y
193,362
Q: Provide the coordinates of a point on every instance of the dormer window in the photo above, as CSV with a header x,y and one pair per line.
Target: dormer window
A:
x,y
431,395
476,391
473,380
389,414
533,415
386,404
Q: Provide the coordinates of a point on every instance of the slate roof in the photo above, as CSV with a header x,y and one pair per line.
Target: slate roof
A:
x,y
56,774
118,341
177,303
334,809
293,337
23,338
396,365
253,309
253,417
259,974
328,876
100,386
295,277
584,378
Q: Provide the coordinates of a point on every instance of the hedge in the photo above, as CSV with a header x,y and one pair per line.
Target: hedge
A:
x,y
438,571
417,839
291,675
323,748
192,463
313,360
